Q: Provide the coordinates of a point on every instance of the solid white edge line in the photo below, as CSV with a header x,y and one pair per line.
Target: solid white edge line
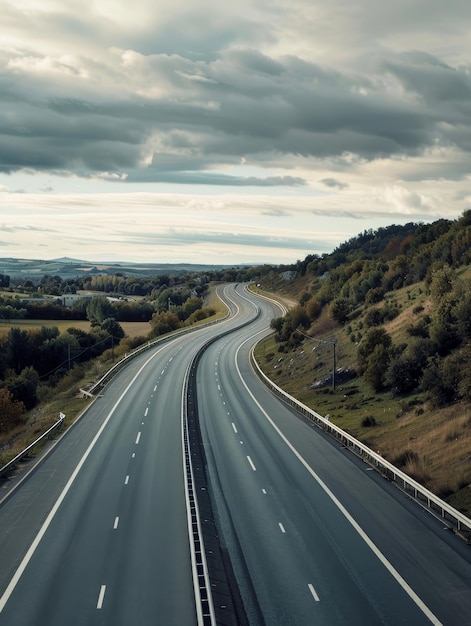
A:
x,y
31,550
374,548
101,597
314,592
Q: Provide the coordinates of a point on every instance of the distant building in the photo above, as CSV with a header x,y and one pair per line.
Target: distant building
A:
x,y
70,300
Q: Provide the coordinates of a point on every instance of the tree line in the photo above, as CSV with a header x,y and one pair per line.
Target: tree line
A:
x,y
34,362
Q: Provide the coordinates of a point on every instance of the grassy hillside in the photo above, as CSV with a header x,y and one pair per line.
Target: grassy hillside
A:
x,y
422,425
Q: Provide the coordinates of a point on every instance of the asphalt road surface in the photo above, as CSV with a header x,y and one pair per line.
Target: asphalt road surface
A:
x,y
98,532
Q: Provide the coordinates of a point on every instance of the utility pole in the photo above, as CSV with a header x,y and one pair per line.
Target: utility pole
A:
x,y
334,346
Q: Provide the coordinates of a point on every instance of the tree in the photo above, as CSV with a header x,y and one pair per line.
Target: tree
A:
x,y
23,388
4,281
406,370
164,323
113,328
18,349
276,324
444,326
340,310
463,310
98,310
11,411
191,305
374,337
443,281
313,308
446,379
378,361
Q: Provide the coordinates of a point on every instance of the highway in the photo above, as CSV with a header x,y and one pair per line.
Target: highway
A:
x,y
315,537
98,532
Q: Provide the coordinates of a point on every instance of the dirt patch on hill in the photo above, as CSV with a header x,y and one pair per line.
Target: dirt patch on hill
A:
x,y
408,317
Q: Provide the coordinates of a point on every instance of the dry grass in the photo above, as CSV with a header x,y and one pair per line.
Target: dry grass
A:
x,y
131,329
62,325
136,329
441,445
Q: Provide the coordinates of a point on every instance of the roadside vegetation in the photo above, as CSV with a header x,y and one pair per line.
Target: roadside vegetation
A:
x,y
44,361
397,304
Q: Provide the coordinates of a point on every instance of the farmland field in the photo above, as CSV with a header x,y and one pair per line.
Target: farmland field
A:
x,y
131,329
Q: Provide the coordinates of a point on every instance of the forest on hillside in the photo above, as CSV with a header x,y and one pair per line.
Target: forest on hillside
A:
x,y
357,278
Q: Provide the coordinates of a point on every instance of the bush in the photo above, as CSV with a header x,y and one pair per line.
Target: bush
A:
x,y
11,411
408,456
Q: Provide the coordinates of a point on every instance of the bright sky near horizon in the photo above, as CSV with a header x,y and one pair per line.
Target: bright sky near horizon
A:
x,y
206,132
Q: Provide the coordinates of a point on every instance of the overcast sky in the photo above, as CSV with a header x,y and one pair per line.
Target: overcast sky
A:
x,y
218,132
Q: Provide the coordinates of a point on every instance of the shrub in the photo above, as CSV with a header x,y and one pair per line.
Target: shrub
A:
x,y
368,421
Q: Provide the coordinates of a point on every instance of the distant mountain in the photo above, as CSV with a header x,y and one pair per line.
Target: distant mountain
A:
x,y
67,259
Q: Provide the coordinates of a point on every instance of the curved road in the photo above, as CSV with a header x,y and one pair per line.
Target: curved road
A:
x,y
98,532
315,537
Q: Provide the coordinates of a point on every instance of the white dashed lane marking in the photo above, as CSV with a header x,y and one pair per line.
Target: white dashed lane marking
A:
x,y
101,597
314,593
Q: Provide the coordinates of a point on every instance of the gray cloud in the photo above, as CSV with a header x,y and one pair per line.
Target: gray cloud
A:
x,y
334,183
209,178
164,104
176,237
431,79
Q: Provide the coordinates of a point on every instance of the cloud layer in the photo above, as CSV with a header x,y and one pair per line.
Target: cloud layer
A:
x,y
347,109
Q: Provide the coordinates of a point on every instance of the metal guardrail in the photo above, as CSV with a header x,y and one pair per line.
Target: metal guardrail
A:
x,y
101,382
211,572
456,520
201,580
146,346
8,466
